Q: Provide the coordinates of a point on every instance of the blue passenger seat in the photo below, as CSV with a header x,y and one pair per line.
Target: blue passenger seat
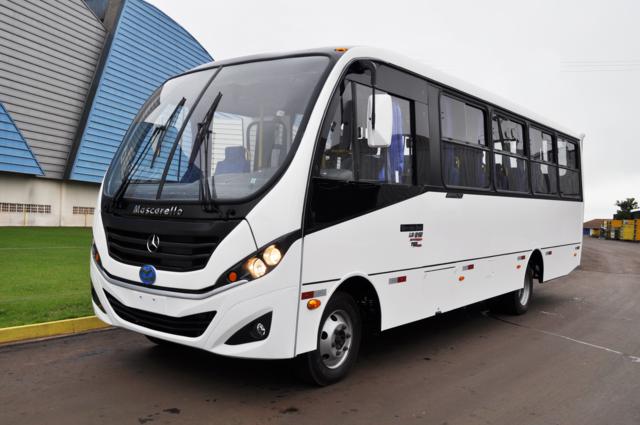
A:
x,y
234,161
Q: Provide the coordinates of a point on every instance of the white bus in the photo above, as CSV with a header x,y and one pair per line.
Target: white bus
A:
x,y
281,206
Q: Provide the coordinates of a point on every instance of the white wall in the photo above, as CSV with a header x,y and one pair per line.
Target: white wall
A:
x,y
62,196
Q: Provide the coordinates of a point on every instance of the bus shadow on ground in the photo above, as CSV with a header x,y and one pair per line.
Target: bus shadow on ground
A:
x,y
412,341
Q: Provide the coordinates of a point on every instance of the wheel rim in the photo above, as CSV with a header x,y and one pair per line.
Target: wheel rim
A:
x,y
524,293
335,339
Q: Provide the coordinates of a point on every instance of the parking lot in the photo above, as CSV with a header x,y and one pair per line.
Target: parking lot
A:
x,y
573,359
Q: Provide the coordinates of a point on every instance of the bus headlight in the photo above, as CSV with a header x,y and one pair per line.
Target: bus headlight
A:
x,y
272,255
260,262
256,267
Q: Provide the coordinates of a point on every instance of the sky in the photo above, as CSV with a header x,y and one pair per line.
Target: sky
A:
x,y
574,62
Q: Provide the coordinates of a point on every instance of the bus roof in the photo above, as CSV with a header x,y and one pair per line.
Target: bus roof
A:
x,y
417,67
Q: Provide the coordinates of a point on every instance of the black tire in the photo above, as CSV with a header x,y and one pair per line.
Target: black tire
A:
x,y
316,368
517,302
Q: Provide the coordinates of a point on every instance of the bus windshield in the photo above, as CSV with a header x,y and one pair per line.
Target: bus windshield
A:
x,y
217,134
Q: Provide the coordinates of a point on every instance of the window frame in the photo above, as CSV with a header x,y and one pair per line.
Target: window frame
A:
x,y
500,113
577,170
486,147
553,134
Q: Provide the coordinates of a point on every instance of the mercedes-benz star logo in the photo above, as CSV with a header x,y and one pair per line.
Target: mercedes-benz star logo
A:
x,y
153,243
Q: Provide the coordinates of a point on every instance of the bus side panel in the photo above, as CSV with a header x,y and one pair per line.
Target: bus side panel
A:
x,y
488,233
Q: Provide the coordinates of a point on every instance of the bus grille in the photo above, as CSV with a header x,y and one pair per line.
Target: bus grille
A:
x,y
190,326
175,253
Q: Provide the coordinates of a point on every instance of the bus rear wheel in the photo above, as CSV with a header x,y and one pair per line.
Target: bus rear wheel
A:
x,y
517,302
339,338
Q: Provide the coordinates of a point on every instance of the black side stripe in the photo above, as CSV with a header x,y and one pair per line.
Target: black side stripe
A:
x,y
320,281
559,246
450,262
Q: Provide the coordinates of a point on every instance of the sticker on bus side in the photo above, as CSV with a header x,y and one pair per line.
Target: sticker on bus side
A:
x,y
415,234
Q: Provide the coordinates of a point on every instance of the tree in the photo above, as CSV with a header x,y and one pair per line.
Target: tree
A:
x,y
624,208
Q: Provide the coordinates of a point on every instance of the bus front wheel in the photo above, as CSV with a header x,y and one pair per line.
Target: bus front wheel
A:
x,y
339,337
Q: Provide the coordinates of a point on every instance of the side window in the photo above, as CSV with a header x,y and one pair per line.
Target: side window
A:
x,y
567,153
347,155
544,173
464,148
568,170
541,145
508,136
510,164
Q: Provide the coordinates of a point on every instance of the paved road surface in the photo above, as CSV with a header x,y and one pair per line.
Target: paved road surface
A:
x,y
570,360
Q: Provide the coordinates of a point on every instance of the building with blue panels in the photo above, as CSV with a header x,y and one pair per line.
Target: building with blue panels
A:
x,y
73,75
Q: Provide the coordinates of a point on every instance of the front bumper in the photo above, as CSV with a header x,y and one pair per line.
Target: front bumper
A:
x,y
277,292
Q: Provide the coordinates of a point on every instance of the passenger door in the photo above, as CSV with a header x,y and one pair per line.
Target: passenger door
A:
x,y
363,214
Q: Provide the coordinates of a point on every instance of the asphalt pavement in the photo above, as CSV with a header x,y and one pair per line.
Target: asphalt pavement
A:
x,y
573,359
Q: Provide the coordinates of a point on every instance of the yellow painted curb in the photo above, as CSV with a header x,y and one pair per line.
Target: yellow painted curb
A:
x,y
59,327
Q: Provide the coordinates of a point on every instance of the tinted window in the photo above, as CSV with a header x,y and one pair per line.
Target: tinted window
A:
x,y
464,158
511,173
569,182
461,122
544,178
508,136
465,166
567,153
541,145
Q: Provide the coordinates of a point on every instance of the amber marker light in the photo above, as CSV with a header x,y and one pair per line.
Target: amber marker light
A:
x,y
232,277
314,303
341,49
518,266
96,254
460,278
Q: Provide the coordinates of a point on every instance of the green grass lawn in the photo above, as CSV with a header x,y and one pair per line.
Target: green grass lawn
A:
x,y
44,274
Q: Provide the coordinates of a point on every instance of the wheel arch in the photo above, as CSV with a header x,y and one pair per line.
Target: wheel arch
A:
x,y
367,299
536,262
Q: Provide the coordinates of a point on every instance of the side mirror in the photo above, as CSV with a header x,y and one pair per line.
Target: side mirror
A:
x,y
380,136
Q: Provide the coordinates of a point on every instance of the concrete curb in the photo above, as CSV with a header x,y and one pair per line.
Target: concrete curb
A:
x,y
49,329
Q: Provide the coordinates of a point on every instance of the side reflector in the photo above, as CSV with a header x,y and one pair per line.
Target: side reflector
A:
x,y
522,257
518,267
548,253
460,278
468,267
399,279
311,294
312,304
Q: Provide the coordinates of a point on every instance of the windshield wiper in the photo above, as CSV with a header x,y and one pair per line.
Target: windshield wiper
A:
x,y
165,127
159,131
204,135
201,136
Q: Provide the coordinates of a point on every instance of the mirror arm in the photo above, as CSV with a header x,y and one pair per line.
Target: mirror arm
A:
x,y
372,67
